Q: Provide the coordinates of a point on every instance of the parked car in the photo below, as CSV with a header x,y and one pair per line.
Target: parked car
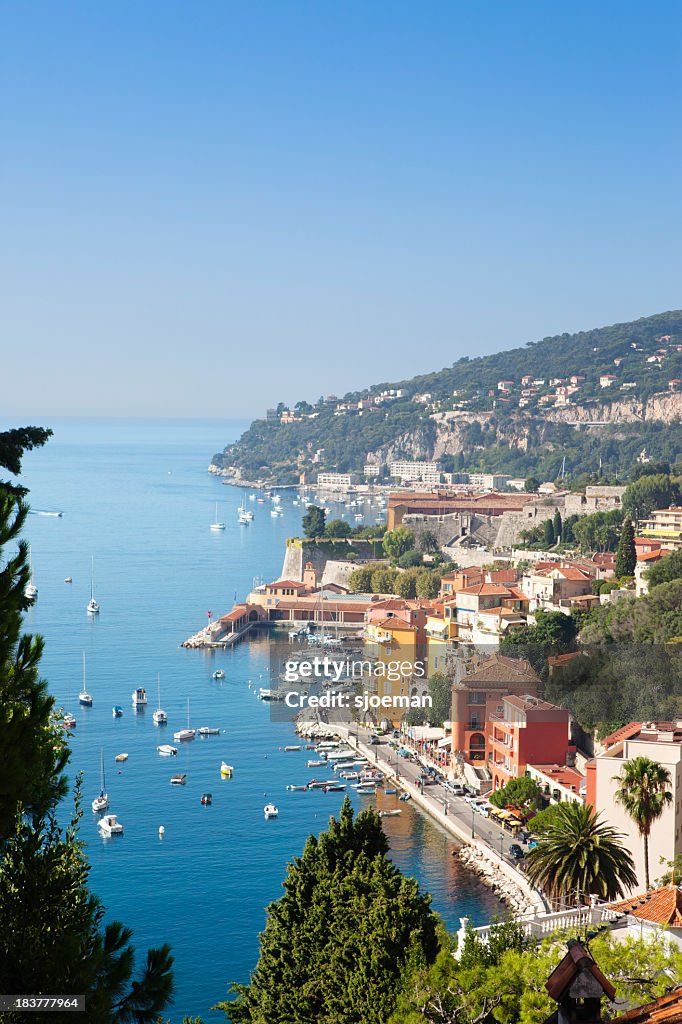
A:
x,y
456,790
516,852
471,798
373,740
532,843
485,808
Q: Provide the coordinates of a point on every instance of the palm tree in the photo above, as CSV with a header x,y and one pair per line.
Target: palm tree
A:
x,y
643,792
578,855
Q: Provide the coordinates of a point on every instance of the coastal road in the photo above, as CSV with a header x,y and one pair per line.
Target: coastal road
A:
x,y
441,801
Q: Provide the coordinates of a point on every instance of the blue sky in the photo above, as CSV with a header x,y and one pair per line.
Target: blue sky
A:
x,y
209,207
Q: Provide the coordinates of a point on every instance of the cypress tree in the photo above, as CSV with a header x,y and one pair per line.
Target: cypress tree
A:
x,y
548,533
626,556
557,526
336,944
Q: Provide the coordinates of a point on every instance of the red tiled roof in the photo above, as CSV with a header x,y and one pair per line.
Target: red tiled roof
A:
x,y
624,733
295,584
660,906
666,1009
487,590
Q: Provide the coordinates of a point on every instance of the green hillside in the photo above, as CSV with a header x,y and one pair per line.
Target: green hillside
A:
x,y
493,399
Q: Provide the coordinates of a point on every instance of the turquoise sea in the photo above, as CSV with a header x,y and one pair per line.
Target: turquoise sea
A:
x,y
135,495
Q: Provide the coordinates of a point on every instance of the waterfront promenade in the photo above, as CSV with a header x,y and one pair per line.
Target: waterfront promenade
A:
x,y
488,842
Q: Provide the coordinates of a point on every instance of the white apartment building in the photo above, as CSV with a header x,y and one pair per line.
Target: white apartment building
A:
x,y
428,472
489,481
661,742
337,481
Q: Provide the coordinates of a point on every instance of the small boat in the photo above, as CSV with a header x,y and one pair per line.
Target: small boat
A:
x,y
68,579
218,674
159,717
101,802
84,697
178,780
121,758
206,799
405,796
216,524
139,697
315,764
30,590
270,811
274,512
338,787
226,770
69,722
315,784
366,790
92,607
206,730
293,747
117,711
185,734
390,814
297,789
109,825
166,750
252,497
390,792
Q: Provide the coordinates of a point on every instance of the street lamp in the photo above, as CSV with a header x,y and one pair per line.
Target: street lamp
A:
x,y
473,830
501,844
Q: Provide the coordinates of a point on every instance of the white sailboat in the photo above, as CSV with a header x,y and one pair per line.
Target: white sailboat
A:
x,y
93,607
185,734
216,524
84,697
30,590
159,717
101,802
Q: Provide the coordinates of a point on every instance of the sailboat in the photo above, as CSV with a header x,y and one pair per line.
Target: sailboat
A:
x,y
93,607
84,697
101,802
160,717
185,734
30,590
245,514
216,524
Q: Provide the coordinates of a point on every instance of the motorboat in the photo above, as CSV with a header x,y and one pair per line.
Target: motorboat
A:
x,y
405,796
216,524
139,697
298,789
338,787
207,730
101,802
293,746
84,697
159,717
68,579
117,711
30,590
166,750
185,734
92,606
218,674
178,780
109,825
315,764
366,790
226,770
121,758
270,811
206,799
252,497
69,721
390,814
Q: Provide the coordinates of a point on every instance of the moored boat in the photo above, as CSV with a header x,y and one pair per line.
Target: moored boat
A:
x,y
139,697
270,811
121,758
117,711
218,674
109,825
178,780
166,750
226,770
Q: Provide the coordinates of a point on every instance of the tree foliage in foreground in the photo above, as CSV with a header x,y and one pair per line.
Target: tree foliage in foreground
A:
x,y
52,935
336,944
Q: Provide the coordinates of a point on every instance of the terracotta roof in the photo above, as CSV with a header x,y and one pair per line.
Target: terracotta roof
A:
x,y
650,556
296,584
561,774
556,660
666,1009
486,590
576,960
394,622
499,668
502,575
624,733
660,906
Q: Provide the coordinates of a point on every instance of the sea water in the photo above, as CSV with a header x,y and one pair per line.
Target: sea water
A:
x,y
137,498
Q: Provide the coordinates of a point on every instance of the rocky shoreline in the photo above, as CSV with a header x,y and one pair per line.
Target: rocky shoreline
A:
x,y
494,879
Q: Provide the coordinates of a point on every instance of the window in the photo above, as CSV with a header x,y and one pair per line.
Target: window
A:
x,y
475,697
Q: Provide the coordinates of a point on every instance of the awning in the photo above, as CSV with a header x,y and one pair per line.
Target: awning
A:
x,y
447,742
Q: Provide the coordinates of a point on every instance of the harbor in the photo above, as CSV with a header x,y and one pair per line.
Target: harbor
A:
x,y
214,862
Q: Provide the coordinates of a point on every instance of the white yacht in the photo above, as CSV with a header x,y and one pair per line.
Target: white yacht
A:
x,y
93,607
139,697
216,524
166,750
159,717
109,825
270,811
84,697
30,590
101,802
185,734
